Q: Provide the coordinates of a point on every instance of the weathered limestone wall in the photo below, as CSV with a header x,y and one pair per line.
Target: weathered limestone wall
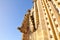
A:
x,y
42,22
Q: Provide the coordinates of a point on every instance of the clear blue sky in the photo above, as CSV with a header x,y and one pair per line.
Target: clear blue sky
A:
x,y
11,16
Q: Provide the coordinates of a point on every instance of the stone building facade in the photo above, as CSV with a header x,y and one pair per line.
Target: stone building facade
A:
x,y
42,21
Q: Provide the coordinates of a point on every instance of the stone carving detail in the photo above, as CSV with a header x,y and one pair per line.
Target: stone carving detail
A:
x,y
43,23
